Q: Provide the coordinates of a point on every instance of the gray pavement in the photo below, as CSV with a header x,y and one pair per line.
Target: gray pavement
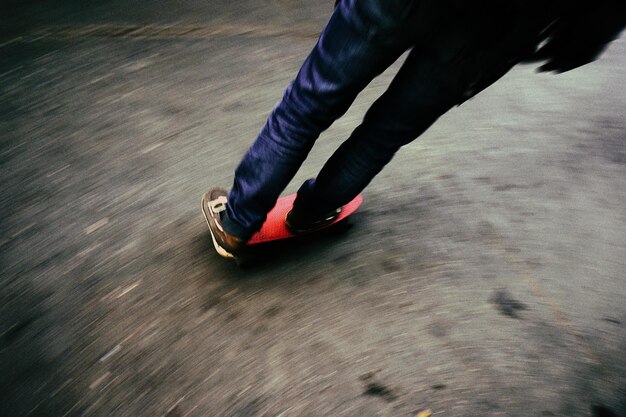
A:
x,y
483,276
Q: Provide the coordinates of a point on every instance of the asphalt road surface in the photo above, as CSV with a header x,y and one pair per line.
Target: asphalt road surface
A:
x,y
483,275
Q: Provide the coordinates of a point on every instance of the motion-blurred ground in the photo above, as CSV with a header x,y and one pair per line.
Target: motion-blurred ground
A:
x,y
484,275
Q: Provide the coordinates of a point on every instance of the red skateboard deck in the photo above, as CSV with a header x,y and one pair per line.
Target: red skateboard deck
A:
x,y
275,228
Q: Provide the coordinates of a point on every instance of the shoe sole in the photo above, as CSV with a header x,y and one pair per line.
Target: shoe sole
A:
x,y
321,225
220,250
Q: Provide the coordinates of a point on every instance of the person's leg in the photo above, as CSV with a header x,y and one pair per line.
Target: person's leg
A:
x,y
348,55
421,92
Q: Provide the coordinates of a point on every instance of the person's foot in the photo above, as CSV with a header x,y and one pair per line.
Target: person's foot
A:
x,y
213,206
299,221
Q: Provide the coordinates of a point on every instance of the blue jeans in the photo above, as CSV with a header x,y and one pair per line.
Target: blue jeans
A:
x,y
361,39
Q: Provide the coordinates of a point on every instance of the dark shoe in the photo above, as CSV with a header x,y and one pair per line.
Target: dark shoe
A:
x,y
213,206
301,222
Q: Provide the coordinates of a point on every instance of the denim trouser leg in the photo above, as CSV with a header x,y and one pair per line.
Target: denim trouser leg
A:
x,y
420,93
345,59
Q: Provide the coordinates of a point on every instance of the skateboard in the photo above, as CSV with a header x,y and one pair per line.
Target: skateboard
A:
x,y
275,228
